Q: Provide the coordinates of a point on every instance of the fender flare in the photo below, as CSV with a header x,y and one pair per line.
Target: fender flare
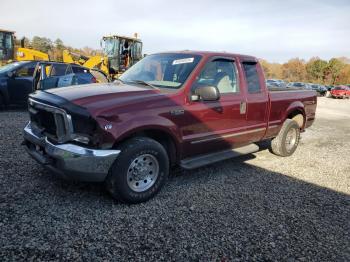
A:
x,y
293,107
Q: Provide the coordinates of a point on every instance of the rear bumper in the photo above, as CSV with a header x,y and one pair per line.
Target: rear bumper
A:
x,y
69,160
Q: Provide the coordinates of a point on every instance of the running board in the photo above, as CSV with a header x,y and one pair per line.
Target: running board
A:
x,y
202,160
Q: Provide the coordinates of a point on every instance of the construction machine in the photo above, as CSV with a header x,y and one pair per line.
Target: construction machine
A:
x,y
9,51
27,54
7,45
119,53
93,62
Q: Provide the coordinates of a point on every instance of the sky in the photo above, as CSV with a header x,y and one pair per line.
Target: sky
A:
x,y
270,29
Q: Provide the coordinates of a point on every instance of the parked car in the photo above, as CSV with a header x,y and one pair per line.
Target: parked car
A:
x,y
180,108
321,90
19,79
275,83
55,74
341,91
16,82
298,85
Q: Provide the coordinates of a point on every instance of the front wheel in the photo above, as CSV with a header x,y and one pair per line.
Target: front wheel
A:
x,y
139,172
287,140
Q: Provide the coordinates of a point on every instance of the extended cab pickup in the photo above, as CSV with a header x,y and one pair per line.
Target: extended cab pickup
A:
x,y
179,108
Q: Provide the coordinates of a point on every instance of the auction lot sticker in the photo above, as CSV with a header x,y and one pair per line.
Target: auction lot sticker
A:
x,y
183,61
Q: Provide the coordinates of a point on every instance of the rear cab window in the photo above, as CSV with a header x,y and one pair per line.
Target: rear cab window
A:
x,y
252,77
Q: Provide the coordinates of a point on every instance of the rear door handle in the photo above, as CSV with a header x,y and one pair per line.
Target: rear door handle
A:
x,y
243,107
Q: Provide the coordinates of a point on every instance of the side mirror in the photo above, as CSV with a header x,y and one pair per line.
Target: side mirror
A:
x,y
206,93
11,74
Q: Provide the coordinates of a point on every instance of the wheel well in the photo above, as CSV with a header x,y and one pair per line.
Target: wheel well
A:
x,y
161,137
298,117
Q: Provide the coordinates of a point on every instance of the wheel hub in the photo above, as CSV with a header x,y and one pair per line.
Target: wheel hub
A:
x,y
142,172
291,139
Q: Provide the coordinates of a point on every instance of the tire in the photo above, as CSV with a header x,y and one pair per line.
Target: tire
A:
x,y
287,140
139,172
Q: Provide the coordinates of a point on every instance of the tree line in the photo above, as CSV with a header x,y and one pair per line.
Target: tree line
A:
x,y
333,72
55,48
336,71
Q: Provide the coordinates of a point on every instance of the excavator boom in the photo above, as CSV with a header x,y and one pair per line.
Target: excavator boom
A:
x,y
30,54
93,62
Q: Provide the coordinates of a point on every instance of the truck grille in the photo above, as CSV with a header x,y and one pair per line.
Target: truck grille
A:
x,y
51,121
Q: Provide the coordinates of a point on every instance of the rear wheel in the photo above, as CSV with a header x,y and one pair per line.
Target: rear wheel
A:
x,y
139,172
287,139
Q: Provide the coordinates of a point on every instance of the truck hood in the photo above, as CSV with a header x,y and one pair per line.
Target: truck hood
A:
x,y
99,99
92,91
93,96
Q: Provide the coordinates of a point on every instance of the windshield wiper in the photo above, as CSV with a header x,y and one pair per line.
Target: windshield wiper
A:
x,y
144,83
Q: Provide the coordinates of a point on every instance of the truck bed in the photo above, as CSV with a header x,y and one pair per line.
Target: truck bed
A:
x,y
282,99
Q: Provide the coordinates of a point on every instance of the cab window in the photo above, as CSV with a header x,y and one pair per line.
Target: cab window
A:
x,y
252,77
221,73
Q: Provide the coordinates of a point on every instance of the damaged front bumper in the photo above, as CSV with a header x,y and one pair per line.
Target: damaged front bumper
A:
x,y
69,160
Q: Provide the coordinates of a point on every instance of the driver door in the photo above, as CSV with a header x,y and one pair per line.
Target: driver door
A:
x,y
216,125
21,84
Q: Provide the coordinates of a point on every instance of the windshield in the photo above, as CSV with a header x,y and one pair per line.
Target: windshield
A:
x,y
111,46
9,67
162,70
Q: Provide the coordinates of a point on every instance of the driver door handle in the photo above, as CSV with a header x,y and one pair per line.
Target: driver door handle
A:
x,y
243,107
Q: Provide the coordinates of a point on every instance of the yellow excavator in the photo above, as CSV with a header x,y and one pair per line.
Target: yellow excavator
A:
x,y
25,54
9,51
93,62
119,53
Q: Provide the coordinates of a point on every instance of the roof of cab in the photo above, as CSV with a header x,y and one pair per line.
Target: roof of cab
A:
x,y
211,53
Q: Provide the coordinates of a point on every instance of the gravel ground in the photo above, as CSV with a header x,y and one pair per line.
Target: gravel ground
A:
x,y
258,207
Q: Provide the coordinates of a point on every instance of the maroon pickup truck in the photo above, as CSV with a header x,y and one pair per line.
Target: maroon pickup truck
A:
x,y
178,108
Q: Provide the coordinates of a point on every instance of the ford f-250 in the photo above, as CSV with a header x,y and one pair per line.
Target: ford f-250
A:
x,y
178,108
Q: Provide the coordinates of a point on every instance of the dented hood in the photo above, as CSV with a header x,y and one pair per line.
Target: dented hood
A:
x,y
95,98
86,94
